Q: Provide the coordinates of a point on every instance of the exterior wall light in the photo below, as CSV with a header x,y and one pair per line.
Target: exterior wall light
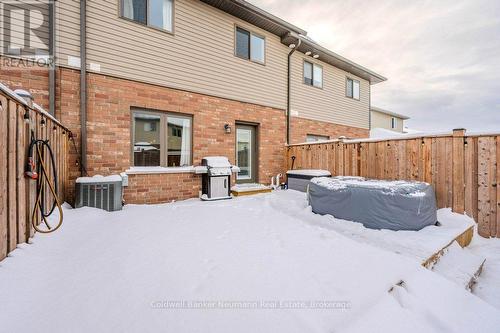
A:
x,y
316,56
26,115
308,53
227,128
292,46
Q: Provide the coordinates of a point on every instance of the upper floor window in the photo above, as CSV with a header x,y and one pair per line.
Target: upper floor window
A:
x,y
394,123
154,13
313,74
250,46
352,88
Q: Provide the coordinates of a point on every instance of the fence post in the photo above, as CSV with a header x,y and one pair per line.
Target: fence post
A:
x,y
342,156
458,189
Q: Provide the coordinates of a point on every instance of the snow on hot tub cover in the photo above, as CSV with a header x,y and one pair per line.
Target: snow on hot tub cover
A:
x,y
377,204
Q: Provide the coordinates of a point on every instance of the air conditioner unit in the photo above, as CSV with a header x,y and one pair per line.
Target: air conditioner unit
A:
x,y
99,192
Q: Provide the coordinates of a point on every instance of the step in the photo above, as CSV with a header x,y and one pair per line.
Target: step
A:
x,y
463,239
459,265
249,189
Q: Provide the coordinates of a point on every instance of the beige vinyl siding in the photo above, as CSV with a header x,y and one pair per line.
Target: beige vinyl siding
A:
x,y
382,120
67,30
329,103
198,57
17,29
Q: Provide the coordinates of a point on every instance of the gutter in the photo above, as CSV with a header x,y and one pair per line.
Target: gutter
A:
x,y
288,102
83,85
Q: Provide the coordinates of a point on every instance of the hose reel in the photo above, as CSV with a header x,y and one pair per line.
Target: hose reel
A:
x,y
36,170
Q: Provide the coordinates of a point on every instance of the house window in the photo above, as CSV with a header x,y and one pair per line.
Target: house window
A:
x,y
154,13
352,88
394,123
250,46
313,74
316,138
161,139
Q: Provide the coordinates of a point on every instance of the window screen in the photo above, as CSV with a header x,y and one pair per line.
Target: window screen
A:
x,y
242,43
308,73
348,90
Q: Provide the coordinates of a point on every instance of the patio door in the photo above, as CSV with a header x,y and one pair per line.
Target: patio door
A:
x,y
246,154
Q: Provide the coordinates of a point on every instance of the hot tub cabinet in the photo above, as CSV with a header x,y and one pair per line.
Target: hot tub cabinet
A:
x,y
299,179
377,204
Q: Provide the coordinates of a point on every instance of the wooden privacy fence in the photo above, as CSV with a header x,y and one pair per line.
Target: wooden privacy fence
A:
x,y
18,193
462,168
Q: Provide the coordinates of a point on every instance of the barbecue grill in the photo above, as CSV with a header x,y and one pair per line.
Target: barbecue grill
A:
x,y
216,179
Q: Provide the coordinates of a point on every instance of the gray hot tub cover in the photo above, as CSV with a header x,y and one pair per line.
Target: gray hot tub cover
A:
x,y
377,204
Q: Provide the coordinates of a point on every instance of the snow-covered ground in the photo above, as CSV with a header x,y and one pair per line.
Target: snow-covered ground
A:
x,y
488,283
252,264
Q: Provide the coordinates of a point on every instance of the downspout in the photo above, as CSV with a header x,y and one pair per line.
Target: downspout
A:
x,y
369,106
83,85
288,103
52,67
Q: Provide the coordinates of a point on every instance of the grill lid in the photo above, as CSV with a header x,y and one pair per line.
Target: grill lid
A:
x,y
217,165
216,162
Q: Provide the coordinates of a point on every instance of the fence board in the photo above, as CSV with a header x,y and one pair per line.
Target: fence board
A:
x,y
483,190
470,169
412,153
380,162
31,184
389,159
21,181
492,185
498,186
12,175
363,156
3,178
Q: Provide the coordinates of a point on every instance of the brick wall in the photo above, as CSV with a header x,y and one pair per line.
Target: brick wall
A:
x,y
109,131
23,75
110,101
301,127
159,188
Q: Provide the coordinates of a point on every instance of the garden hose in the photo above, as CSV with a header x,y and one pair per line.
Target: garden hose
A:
x,y
40,174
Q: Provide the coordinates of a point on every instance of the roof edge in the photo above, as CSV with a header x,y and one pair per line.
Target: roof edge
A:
x,y
268,16
336,60
390,113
